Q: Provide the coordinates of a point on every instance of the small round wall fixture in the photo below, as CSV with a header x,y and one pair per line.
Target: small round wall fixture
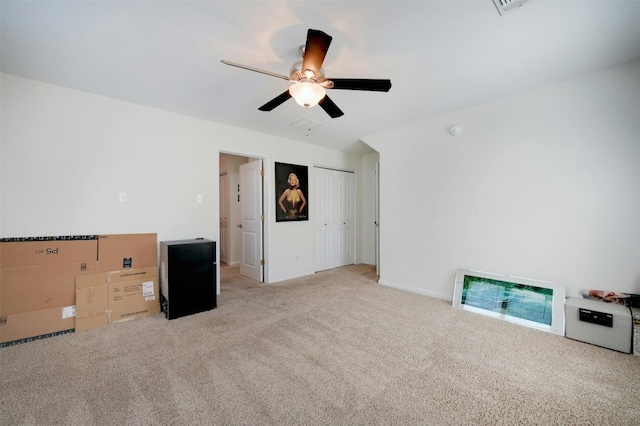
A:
x,y
455,130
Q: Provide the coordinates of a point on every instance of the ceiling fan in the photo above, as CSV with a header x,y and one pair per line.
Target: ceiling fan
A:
x,y
309,82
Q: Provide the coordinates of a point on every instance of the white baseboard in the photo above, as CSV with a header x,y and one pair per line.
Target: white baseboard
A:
x,y
273,280
417,290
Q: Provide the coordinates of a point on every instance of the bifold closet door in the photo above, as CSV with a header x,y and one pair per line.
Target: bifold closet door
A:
x,y
334,218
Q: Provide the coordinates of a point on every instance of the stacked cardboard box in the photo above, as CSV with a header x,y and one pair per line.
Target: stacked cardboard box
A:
x,y
38,278
115,296
125,251
37,284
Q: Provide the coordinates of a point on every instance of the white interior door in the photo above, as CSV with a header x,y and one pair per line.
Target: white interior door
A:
x,y
376,214
345,220
322,213
251,264
334,214
224,218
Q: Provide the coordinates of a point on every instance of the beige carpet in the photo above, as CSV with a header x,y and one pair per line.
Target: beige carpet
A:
x,y
333,348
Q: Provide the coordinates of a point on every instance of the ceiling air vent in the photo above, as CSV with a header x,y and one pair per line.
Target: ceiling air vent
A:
x,y
305,124
505,6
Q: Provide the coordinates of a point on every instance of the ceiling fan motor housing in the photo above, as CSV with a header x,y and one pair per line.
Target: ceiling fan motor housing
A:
x,y
298,74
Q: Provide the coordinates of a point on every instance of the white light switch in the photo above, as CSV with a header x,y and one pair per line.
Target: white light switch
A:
x,y
199,199
122,197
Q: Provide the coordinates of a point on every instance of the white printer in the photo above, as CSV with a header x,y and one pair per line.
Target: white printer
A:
x,y
604,324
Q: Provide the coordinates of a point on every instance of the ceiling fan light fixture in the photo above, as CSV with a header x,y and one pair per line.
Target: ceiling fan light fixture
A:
x,y
307,94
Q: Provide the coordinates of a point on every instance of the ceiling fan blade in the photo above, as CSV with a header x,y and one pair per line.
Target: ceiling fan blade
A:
x,y
330,107
361,84
315,50
278,100
273,74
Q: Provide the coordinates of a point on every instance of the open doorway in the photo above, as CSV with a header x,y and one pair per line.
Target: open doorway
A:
x,y
242,218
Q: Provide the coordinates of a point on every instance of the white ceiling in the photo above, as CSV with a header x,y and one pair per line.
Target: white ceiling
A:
x,y
441,56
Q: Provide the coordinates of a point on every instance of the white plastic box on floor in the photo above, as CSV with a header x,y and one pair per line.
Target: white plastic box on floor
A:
x,y
636,330
603,324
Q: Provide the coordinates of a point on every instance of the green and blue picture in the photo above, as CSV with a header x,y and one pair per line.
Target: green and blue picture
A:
x,y
522,301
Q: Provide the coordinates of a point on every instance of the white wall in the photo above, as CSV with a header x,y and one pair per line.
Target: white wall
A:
x,y
544,185
66,155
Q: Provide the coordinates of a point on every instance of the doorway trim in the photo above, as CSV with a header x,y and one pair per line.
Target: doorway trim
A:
x,y
267,206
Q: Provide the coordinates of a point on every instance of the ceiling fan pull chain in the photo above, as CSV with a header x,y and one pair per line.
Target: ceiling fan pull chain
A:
x,y
306,114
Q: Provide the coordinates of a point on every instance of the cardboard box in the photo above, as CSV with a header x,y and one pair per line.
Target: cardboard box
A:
x,y
126,247
133,262
35,324
109,297
38,278
33,288
47,251
91,302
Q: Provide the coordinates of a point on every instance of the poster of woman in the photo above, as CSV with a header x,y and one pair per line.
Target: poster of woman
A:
x,y
291,192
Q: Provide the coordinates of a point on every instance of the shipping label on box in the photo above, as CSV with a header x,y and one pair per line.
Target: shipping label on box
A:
x,y
133,299
46,251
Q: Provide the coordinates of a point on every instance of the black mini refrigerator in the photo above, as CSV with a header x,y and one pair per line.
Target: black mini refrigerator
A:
x,y
187,277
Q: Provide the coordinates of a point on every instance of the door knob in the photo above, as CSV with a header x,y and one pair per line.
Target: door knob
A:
x,y
239,225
